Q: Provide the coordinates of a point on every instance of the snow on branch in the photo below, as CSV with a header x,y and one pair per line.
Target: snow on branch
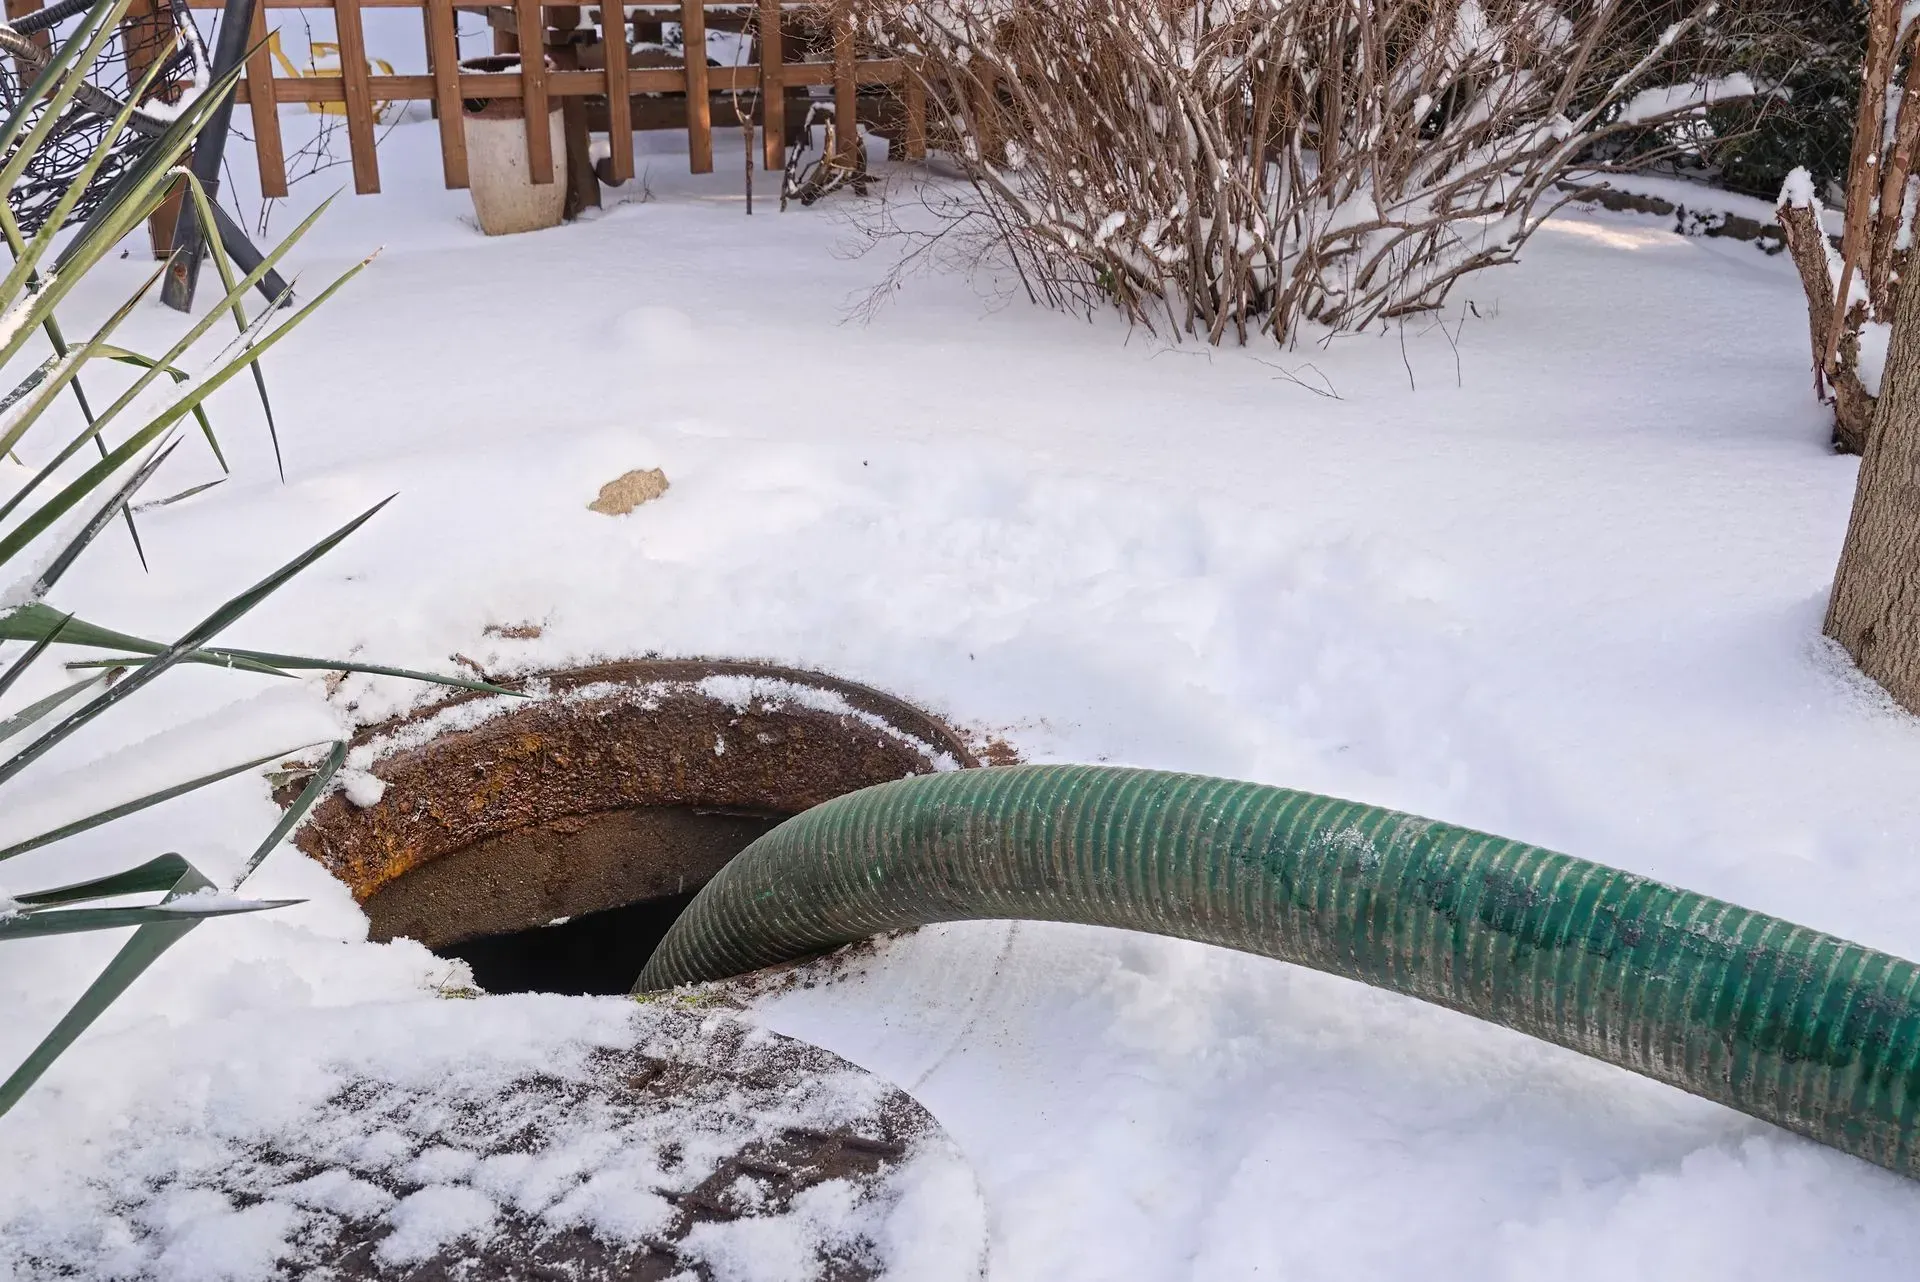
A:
x,y
1673,100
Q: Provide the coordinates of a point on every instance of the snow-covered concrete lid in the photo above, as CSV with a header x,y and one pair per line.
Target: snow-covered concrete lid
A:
x,y
512,1138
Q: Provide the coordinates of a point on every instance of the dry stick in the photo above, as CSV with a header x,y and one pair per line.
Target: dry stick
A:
x,y
1231,213
742,114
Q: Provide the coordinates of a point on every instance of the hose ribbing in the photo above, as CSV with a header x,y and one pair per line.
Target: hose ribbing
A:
x,y
1787,1024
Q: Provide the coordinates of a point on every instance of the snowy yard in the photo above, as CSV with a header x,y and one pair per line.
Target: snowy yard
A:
x,y
1551,566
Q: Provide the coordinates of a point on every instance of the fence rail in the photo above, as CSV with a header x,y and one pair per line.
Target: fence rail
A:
x,y
623,98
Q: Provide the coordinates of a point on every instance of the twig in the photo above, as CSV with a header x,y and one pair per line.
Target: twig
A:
x,y
1293,377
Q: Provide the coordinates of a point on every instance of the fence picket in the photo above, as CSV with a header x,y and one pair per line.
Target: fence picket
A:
x,y
267,147
613,29
674,96
916,116
357,94
142,46
443,57
530,21
693,35
773,87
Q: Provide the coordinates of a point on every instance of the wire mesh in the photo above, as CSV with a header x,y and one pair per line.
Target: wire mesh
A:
x,y
163,34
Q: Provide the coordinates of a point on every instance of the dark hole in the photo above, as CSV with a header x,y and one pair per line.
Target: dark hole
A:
x,y
615,880
594,954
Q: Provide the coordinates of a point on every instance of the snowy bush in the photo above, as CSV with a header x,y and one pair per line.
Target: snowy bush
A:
x,y
1239,166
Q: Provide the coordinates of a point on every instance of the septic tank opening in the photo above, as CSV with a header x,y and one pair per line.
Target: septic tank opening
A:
x,y
597,954
550,842
622,876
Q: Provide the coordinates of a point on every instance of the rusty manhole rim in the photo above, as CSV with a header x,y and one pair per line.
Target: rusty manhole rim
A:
x,y
932,730
490,778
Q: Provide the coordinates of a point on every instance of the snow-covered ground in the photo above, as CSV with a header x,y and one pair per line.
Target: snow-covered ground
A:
x,y
1552,565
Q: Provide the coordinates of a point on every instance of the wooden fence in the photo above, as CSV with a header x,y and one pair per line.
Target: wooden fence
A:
x,y
798,45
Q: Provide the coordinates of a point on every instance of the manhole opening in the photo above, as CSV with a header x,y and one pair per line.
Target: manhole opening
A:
x,y
628,874
595,954
551,842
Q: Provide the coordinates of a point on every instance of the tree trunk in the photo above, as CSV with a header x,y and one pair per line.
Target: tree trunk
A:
x,y
1874,612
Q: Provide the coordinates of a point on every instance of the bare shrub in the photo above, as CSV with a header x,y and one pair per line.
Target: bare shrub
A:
x,y
1217,167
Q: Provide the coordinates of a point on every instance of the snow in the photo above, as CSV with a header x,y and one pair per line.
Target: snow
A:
x,y
1874,337
1798,189
1663,101
779,1250
208,901
741,692
1551,564
425,1221
362,788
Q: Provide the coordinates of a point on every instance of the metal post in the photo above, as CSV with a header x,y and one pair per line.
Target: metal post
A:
x,y
209,149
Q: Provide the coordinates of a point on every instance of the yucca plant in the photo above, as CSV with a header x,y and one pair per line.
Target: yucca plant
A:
x,y
50,518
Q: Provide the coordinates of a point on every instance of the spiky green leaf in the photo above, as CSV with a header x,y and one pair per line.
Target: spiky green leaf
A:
x,y
126,808
195,637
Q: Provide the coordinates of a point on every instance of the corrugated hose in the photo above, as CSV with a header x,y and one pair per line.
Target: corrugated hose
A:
x,y
1799,1028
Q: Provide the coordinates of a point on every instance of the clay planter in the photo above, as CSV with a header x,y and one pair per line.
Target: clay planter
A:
x,y
505,197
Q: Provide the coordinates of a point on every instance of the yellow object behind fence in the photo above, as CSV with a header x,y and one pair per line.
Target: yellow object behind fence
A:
x,y
326,49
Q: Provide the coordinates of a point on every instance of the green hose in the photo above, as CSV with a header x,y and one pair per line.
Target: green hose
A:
x,y
1798,1028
